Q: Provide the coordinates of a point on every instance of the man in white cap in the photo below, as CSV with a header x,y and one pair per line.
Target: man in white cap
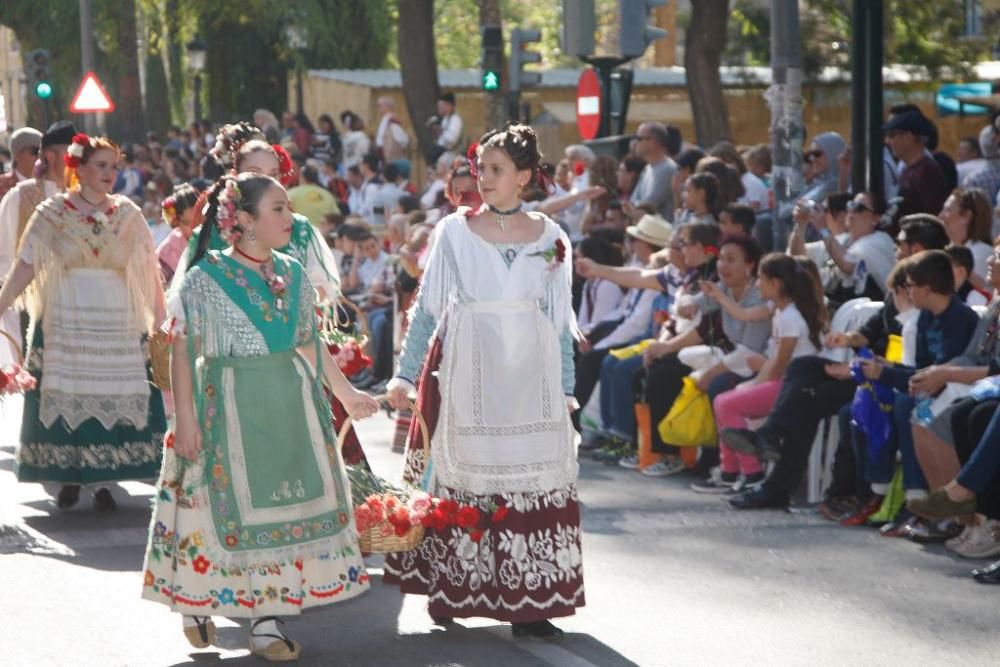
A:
x,y
18,205
24,146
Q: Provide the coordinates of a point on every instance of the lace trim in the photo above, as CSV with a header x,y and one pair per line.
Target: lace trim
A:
x,y
74,409
239,337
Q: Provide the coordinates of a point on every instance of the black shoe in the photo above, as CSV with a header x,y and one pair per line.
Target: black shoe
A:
x,y
69,495
933,532
760,498
989,574
745,441
104,502
442,620
593,441
536,630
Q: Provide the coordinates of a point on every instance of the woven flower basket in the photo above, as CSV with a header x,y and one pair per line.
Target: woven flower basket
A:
x,y
373,540
159,359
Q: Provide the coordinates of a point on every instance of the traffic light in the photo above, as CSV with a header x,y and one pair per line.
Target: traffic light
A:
x,y
38,73
519,57
578,27
636,35
491,59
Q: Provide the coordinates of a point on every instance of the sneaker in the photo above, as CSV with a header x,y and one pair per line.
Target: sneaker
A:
x,y
983,542
835,509
630,462
612,453
664,468
860,516
716,482
593,440
745,483
961,538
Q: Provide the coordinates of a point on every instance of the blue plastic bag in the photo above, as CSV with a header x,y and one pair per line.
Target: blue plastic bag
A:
x,y
871,409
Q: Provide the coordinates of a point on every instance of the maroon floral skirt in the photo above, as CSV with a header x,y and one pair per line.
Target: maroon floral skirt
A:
x,y
526,566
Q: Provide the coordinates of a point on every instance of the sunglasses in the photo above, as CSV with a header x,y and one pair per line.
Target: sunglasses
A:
x,y
859,207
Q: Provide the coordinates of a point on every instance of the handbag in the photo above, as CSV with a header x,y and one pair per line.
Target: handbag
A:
x,y
690,422
159,359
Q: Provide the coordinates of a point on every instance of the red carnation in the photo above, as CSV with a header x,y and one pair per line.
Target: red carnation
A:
x,y
284,163
471,156
579,168
711,251
467,517
560,251
438,520
500,514
448,508
476,535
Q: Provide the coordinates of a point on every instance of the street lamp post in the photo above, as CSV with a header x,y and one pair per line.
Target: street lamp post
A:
x,y
296,36
196,50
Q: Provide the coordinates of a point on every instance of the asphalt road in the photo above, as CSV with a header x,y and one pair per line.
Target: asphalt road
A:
x,y
672,578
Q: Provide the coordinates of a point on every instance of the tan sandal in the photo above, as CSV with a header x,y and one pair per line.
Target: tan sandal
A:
x,y
282,649
202,633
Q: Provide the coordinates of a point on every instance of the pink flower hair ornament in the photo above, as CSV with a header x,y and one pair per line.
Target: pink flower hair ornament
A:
x,y
226,218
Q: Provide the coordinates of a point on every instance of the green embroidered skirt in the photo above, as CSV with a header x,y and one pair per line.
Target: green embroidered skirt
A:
x,y
90,453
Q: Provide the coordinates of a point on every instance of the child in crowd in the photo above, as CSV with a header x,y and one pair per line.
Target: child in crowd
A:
x,y
736,220
798,320
962,265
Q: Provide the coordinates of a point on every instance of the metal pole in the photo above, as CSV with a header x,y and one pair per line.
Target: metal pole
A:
x,y
785,99
875,22
859,108
197,97
87,56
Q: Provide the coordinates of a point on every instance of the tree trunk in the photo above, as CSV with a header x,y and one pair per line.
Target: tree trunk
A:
x,y
705,42
496,106
418,66
129,109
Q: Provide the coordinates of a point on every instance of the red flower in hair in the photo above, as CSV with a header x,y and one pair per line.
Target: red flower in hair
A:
x,y
579,168
711,251
77,147
471,156
284,163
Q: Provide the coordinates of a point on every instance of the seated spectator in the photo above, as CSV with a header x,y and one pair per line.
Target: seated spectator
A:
x,y
654,145
947,443
349,238
310,198
798,324
857,262
823,167
601,297
944,329
627,175
436,180
687,163
968,158
736,220
961,266
758,161
755,193
730,186
700,199
816,388
968,218
630,323
354,141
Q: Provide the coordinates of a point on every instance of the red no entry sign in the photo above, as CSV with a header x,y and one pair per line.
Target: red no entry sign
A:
x,y
588,104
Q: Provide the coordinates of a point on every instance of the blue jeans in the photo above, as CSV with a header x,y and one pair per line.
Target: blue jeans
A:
x,y
722,384
881,470
618,397
380,325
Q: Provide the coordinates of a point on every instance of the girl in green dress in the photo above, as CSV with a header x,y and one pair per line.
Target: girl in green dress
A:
x,y
253,515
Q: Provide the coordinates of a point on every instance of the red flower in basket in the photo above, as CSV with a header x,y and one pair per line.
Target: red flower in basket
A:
x,y
350,358
467,517
500,514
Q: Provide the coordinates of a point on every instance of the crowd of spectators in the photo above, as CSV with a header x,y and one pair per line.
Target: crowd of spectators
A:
x,y
886,298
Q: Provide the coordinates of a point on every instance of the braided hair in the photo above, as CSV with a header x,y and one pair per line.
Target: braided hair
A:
x,y
520,143
251,188
231,140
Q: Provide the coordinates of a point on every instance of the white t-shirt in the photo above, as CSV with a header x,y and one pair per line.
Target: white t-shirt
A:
x,y
789,323
980,254
756,194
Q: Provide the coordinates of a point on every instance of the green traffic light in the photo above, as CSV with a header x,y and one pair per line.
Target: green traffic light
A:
x,y
491,80
43,89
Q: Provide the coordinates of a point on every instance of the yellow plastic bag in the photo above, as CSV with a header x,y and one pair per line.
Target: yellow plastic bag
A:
x,y
631,350
690,422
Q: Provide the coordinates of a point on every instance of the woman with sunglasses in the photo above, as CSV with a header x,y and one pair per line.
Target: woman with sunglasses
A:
x,y
854,264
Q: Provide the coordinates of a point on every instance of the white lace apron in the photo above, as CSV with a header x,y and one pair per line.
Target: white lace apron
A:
x,y
93,364
503,425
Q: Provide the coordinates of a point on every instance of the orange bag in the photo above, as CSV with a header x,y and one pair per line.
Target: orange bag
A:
x,y
644,434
